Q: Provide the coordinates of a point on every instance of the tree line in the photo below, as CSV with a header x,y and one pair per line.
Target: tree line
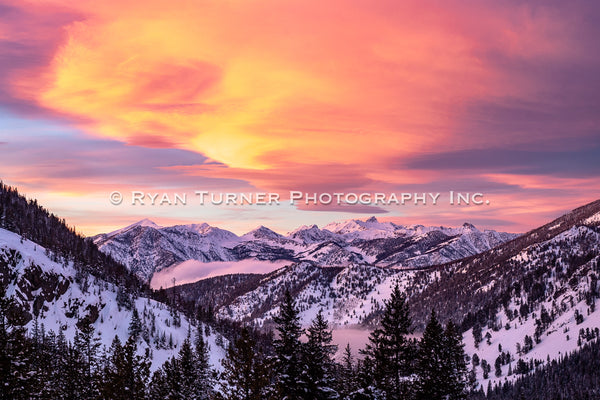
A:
x,y
573,376
298,364
394,365
32,221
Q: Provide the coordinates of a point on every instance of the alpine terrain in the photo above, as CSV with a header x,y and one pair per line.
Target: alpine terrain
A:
x,y
146,248
440,313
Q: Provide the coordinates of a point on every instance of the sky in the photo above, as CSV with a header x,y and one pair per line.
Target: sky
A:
x,y
499,98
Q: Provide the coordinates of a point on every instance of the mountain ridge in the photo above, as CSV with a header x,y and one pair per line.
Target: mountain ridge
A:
x,y
531,297
147,248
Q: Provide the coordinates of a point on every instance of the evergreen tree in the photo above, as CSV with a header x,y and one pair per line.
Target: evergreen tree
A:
x,y
188,373
441,366
187,376
15,353
477,335
486,368
246,372
288,351
62,362
498,366
172,374
373,368
135,326
472,383
365,381
205,381
429,366
47,367
138,368
113,378
488,338
159,388
347,378
74,384
454,364
318,354
391,351
86,347
126,373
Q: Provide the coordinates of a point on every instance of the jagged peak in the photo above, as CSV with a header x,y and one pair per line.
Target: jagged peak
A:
x,y
262,231
145,222
203,227
206,230
303,228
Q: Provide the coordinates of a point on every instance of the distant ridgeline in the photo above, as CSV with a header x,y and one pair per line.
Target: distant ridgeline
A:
x,y
34,222
527,271
529,303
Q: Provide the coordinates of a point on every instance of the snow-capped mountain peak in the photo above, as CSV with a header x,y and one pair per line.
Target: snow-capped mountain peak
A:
x,y
469,226
302,228
262,232
369,229
200,228
147,222
205,230
312,234
146,248
143,223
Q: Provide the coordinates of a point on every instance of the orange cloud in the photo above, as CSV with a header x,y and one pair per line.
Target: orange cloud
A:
x,y
306,95
316,83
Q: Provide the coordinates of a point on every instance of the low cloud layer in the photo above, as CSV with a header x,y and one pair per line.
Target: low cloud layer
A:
x,y
192,270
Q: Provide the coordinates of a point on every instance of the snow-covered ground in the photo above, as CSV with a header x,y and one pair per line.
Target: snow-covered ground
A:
x,y
561,336
346,299
559,340
64,310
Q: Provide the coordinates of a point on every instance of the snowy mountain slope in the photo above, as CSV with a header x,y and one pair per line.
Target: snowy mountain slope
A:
x,y
333,252
347,295
477,282
533,286
535,296
218,291
570,288
532,295
357,291
147,248
263,233
60,295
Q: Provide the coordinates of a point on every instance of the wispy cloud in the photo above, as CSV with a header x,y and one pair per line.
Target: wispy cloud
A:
x,y
276,96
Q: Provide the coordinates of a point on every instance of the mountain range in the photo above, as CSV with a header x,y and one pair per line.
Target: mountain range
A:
x,y
531,298
523,302
146,248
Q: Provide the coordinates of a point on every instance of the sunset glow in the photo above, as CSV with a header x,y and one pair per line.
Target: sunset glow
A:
x,y
381,96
